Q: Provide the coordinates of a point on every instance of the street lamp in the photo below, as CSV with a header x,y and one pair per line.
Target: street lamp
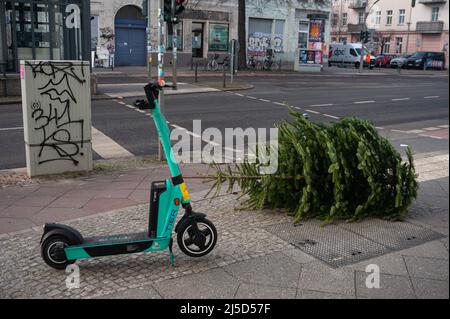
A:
x,y
366,15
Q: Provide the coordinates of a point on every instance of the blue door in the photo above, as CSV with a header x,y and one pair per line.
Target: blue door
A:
x,y
130,42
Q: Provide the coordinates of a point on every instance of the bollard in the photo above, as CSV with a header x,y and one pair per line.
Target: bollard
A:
x,y
224,78
196,72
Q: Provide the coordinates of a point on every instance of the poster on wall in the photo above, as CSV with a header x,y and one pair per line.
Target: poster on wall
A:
x,y
316,34
218,37
308,56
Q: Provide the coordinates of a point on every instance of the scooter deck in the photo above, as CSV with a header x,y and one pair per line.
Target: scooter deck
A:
x,y
115,245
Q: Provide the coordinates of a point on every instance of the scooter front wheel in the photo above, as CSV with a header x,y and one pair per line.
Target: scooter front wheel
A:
x,y
199,240
52,251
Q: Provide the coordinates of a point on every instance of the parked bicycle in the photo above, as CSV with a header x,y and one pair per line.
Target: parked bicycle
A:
x,y
214,64
253,64
269,62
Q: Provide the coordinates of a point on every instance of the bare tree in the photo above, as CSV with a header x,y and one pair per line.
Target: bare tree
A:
x,y
242,57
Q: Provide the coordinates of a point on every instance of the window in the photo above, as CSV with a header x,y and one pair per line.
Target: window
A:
x,y
401,16
388,17
398,45
378,17
353,52
343,40
344,19
335,19
333,40
386,45
435,14
303,32
361,18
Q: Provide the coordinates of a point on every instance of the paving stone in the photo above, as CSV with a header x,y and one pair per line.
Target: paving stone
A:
x,y
115,193
252,291
134,293
51,215
391,287
9,225
211,284
260,271
319,277
430,289
19,212
429,268
70,202
389,264
310,294
298,255
434,249
98,205
35,201
140,195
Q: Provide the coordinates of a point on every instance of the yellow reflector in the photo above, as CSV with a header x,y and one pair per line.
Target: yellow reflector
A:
x,y
185,192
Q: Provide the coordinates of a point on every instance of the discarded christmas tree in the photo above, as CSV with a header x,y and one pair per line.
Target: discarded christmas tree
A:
x,y
342,171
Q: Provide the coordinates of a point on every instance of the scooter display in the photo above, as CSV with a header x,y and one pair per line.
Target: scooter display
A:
x,y
63,245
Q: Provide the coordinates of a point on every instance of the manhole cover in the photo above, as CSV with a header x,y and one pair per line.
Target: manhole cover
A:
x,y
344,243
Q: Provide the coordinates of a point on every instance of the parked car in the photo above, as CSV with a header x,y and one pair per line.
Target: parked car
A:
x,y
426,60
348,54
399,62
384,60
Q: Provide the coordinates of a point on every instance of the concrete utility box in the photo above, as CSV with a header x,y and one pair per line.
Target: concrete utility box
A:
x,y
56,103
308,61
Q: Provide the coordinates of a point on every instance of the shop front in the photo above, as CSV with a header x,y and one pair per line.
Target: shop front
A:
x,y
44,30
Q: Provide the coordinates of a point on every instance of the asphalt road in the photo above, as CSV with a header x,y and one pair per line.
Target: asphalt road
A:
x,y
410,110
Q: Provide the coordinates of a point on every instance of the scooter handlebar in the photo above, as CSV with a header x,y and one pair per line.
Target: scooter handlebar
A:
x,y
152,91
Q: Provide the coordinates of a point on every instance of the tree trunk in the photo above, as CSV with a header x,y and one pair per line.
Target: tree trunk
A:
x,y
242,57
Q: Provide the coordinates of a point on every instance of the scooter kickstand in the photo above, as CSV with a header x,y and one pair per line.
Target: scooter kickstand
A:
x,y
171,256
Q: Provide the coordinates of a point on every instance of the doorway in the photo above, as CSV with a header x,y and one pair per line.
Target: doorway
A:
x,y
197,40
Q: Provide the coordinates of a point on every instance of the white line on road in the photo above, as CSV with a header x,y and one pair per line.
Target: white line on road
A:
x,y
332,116
251,97
415,131
319,105
443,126
130,106
313,112
238,94
379,128
431,129
106,147
264,100
402,99
120,102
278,103
11,129
431,97
364,102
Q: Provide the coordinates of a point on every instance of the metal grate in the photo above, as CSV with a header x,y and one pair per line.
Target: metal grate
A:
x,y
344,244
394,235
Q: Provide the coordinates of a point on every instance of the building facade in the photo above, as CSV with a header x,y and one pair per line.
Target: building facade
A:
x,y
396,26
43,30
207,26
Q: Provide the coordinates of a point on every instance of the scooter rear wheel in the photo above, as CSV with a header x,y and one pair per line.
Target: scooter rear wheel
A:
x,y
197,243
52,251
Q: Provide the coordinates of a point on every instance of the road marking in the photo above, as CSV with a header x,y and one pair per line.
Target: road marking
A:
x,y
431,129
402,99
120,102
267,101
11,129
140,111
432,136
444,126
278,103
313,112
130,106
239,94
319,105
399,131
298,108
251,97
106,147
379,128
332,116
431,97
415,131
364,102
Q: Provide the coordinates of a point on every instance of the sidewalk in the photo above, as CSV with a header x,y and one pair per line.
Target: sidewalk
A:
x,y
259,254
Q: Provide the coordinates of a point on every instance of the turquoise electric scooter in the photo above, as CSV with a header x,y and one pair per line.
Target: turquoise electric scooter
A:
x,y
62,245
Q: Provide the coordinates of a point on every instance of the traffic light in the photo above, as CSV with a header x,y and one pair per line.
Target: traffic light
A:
x,y
364,36
171,13
413,3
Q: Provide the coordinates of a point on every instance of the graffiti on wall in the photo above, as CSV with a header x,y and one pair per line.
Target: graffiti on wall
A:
x,y
54,118
259,43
